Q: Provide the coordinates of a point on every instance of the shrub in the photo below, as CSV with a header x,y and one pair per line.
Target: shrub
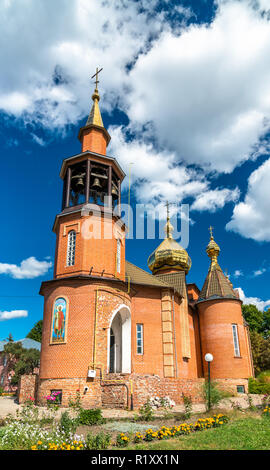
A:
x,y
1,391
146,412
67,424
90,417
100,441
216,395
264,377
75,404
254,386
188,405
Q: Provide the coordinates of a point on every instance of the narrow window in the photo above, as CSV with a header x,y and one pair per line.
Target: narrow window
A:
x,y
118,256
71,248
240,389
235,341
139,335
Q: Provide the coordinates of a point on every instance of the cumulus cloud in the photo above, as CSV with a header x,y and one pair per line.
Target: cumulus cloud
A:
x,y
260,304
251,217
28,269
196,95
5,315
209,94
204,88
213,200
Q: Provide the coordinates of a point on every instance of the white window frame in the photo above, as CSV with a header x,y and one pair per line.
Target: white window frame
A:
x,y
118,256
71,248
139,339
235,340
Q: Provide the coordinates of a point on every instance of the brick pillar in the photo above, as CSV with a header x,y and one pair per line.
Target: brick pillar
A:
x,y
27,387
167,333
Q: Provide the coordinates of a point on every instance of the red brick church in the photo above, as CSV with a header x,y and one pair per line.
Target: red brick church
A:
x,y
114,332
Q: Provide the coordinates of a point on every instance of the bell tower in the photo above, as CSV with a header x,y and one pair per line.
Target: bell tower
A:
x,y
90,232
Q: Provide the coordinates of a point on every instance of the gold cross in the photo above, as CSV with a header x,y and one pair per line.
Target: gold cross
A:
x,y
211,231
96,75
168,210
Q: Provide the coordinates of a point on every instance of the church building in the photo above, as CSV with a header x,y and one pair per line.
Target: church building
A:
x,y
114,333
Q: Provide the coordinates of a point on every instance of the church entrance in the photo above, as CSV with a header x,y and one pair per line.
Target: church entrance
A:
x,y
119,347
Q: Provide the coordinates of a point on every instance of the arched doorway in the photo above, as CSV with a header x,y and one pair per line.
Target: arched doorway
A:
x,y
119,341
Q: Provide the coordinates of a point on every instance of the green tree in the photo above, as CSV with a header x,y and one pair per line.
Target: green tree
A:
x,y
36,332
20,360
266,323
253,317
260,351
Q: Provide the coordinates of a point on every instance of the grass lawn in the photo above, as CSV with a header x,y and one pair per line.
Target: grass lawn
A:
x,y
241,433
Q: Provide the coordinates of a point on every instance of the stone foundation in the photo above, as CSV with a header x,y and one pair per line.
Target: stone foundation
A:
x,y
121,390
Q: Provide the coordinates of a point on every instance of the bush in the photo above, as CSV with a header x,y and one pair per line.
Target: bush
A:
x,y
254,386
90,417
67,424
146,412
1,391
100,441
216,395
264,377
188,405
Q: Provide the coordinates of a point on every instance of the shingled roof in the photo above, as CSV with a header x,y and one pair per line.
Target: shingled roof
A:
x,y
138,276
175,280
217,285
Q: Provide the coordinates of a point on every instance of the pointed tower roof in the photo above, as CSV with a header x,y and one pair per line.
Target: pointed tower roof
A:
x,y
216,284
169,254
95,114
94,122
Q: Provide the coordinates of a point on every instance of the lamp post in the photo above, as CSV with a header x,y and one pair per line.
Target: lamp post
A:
x,y
208,357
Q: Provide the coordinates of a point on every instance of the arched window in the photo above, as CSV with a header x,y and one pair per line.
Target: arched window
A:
x,y
71,248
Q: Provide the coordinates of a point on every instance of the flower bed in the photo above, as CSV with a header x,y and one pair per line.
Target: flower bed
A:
x,y
166,432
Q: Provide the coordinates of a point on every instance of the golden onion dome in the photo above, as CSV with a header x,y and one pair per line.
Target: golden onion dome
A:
x,y
169,254
212,249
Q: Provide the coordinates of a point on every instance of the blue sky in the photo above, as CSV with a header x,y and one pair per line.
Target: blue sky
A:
x,y
185,95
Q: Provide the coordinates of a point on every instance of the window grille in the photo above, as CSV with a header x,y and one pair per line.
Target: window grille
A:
x,y
71,248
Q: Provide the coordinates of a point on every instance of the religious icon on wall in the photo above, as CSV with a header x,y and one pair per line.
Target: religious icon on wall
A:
x,y
59,321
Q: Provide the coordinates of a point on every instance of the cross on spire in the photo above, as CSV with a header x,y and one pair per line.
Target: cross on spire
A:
x,y
96,75
168,210
211,231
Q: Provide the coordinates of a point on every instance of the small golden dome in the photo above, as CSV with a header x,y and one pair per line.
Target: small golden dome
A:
x,y
169,254
212,249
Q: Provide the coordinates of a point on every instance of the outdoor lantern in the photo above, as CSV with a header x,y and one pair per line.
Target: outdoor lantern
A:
x,y
208,358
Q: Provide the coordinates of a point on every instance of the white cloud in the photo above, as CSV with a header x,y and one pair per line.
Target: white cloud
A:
x,y
251,218
205,89
237,273
260,304
62,44
155,175
38,140
259,272
5,315
200,92
28,269
213,200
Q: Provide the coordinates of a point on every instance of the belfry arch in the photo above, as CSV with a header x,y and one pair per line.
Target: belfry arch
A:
x,y
119,341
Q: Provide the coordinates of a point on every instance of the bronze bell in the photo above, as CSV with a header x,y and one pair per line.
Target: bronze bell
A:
x,y
80,182
96,184
114,192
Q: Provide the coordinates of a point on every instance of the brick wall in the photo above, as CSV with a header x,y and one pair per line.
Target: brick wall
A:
x,y
27,387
